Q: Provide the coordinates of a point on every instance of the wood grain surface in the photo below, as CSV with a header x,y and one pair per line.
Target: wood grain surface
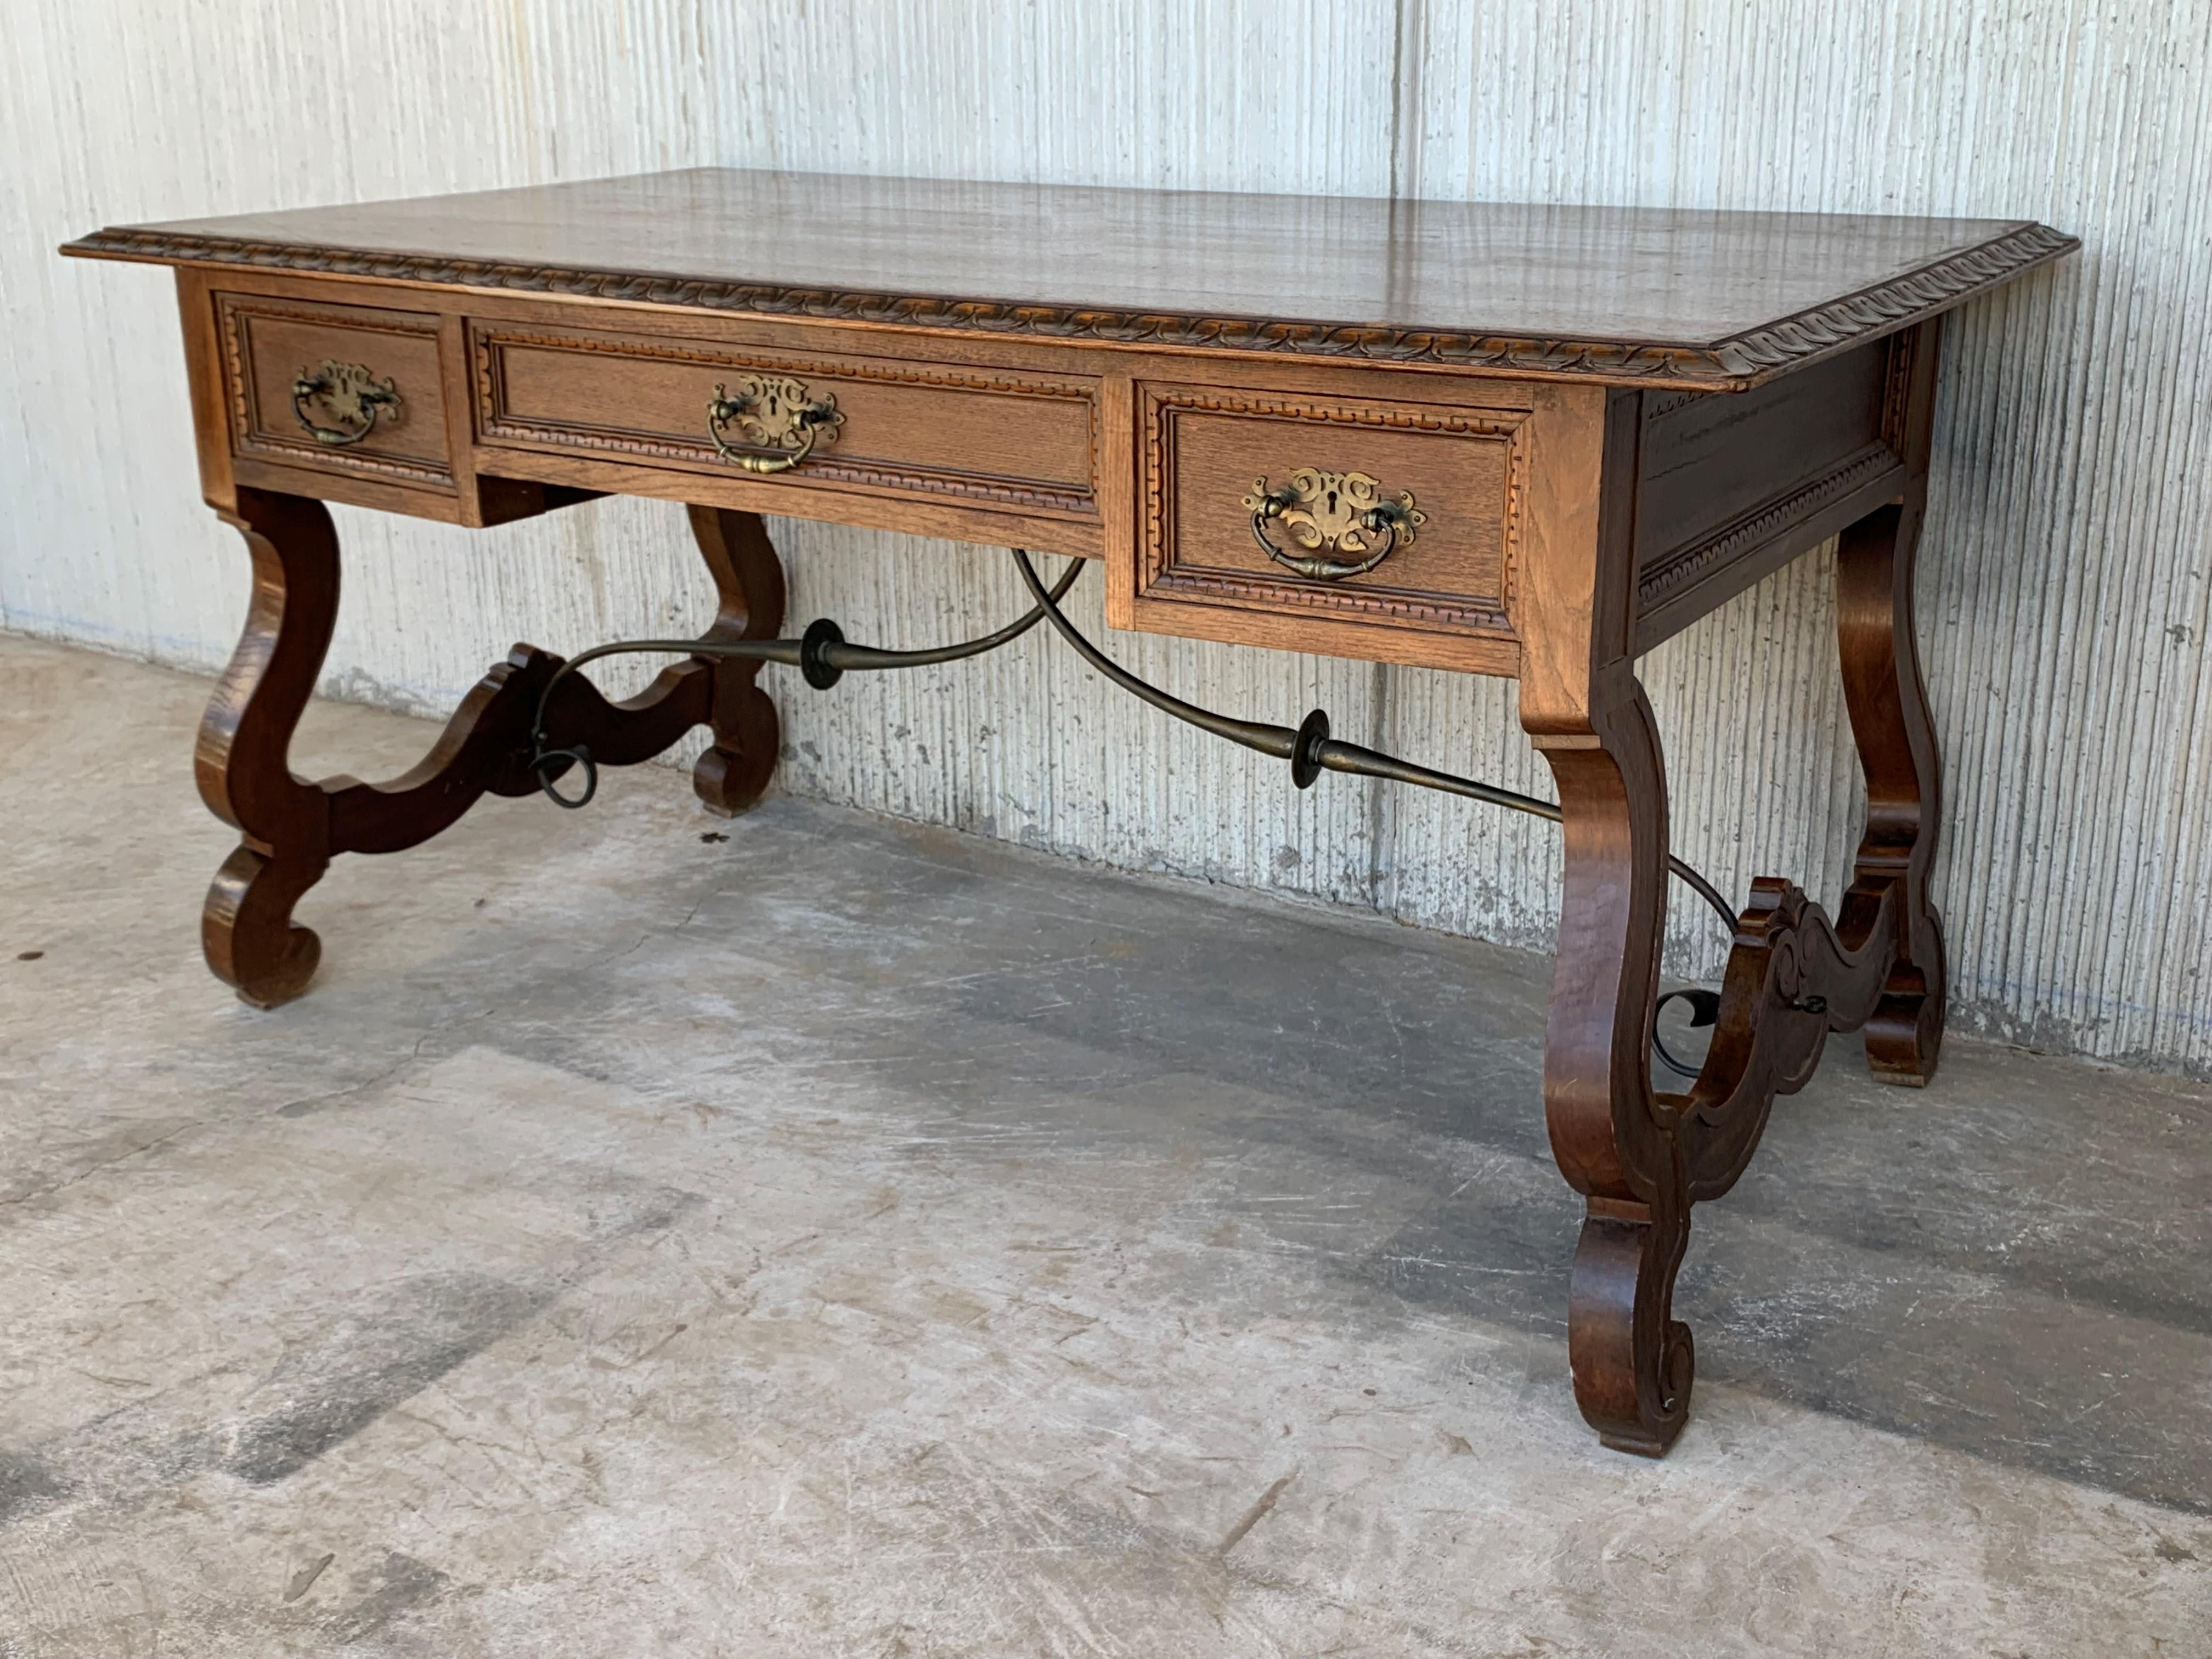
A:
x,y
1656,295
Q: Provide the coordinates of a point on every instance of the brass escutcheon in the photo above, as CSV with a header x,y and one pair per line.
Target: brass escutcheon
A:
x,y
774,413
1343,519
348,393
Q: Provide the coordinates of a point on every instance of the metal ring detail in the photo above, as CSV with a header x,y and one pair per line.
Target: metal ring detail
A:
x,y
582,757
1319,568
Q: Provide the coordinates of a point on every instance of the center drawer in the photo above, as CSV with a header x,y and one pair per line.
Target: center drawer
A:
x,y
1002,436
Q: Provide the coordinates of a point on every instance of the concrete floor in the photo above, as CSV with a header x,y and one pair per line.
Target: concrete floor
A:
x,y
851,1239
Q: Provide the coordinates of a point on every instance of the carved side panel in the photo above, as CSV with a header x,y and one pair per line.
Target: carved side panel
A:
x,y
1731,485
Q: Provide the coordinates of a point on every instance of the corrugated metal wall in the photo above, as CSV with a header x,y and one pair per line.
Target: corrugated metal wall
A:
x,y
2063,594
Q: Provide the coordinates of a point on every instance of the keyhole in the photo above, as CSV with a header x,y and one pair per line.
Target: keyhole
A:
x,y
1332,503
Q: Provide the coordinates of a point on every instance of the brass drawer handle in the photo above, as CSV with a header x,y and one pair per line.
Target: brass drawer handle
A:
x,y
348,393
775,414
1333,514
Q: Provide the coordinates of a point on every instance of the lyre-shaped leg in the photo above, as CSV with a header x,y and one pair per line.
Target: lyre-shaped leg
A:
x,y
291,828
1641,1159
731,775
1888,704
1581,705
1633,1362
244,744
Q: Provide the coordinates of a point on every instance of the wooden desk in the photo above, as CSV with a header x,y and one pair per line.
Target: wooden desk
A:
x,y
1515,441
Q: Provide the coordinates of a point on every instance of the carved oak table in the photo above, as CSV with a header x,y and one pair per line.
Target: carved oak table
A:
x,y
1512,441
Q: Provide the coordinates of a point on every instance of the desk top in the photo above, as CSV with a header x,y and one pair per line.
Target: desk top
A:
x,y
1630,295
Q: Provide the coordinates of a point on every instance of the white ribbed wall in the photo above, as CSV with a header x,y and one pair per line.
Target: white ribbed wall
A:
x,y
2063,594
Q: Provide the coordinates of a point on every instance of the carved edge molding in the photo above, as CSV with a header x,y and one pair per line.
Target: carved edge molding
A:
x,y
486,339
1736,363
245,441
1159,580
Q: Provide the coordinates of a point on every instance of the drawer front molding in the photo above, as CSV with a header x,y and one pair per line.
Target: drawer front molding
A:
x,y
496,422
347,333
1306,421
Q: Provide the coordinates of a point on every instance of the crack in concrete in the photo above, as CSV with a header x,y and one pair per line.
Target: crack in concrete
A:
x,y
103,1163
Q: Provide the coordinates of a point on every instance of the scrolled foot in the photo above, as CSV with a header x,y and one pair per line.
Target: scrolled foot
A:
x,y
732,777
1904,1034
247,928
1633,1365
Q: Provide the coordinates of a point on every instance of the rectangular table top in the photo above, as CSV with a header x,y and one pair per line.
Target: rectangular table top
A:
x,y
1630,295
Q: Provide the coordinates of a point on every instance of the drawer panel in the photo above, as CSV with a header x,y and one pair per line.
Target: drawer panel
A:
x,y
338,388
1002,436
1208,456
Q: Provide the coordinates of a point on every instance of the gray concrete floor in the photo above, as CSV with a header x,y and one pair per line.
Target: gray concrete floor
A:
x,y
852,1238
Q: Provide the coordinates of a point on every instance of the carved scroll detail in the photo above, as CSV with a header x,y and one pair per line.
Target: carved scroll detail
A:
x,y
1792,977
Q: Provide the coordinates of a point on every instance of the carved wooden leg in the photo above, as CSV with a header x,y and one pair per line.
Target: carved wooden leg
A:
x,y
1888,703
731,777
1580,703
291,828
245,742
1633,1363
1640,1158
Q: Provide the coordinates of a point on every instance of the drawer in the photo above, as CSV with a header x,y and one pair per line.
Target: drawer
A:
x,y
338,388
1432,586
1005,437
